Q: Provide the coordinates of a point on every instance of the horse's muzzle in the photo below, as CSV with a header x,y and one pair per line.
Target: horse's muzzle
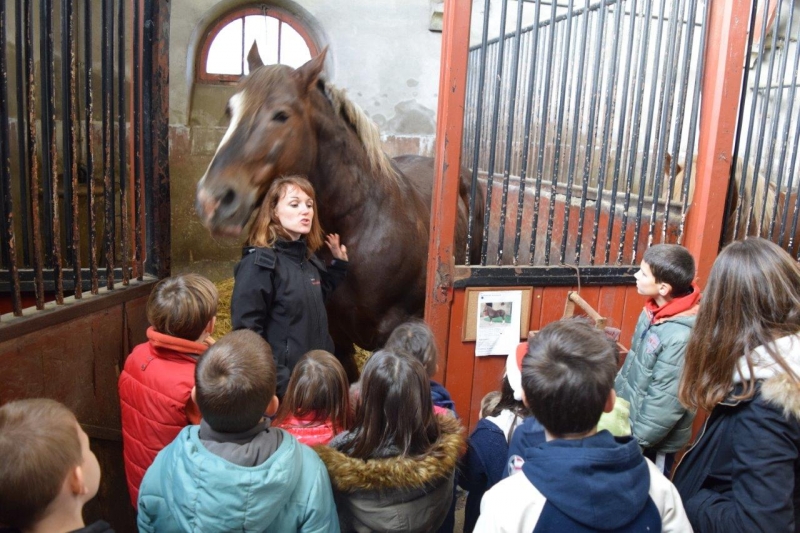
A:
x,y
223,212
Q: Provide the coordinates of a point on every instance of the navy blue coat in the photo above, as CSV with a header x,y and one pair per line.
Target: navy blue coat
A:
x,y
481,467
743,473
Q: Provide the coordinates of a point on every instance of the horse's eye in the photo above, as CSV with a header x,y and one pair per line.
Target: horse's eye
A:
x,y
280,116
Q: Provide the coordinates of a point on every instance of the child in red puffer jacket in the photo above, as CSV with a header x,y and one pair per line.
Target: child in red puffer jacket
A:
x,y
316,406
156,384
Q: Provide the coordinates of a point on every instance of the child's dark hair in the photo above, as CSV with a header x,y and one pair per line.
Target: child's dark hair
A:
x,y
235,381
507,401
395,408
567,376
182,306
318,388
673,264
416,339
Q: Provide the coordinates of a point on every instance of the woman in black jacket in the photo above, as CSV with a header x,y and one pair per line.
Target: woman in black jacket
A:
x,y
743,365
280,286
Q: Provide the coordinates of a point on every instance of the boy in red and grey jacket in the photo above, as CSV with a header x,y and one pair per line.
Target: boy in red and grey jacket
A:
x,y
156,384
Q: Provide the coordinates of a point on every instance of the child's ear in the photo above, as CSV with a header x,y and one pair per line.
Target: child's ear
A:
x,y
194,395
75,481
525,400
272,407
211,325
664,289
610,401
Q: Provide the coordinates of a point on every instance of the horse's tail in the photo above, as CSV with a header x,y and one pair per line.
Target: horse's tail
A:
x,y
762,198
476,243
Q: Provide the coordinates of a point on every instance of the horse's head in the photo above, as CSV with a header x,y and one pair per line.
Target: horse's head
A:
x,y
269,135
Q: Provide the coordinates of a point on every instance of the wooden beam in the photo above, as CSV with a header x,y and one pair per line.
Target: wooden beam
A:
x,y
444,207
722,85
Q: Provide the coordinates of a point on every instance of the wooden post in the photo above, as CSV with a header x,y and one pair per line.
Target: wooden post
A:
x,y
449,132
722,85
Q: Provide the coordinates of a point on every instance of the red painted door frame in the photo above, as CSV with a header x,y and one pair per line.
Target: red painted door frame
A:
x,y
725,51
449,133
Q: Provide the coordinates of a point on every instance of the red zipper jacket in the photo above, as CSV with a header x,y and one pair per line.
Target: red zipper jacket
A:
x,y
155,398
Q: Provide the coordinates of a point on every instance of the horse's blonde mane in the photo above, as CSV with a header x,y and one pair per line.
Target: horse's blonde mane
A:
x,y
365,129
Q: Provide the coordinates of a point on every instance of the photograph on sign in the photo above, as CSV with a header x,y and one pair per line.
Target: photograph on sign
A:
x,y
498,320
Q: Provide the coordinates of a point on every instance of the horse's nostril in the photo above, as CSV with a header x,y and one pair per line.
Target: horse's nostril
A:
x,y
228,198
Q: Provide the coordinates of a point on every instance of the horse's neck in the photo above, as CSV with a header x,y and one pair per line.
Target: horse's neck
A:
x,y
342,176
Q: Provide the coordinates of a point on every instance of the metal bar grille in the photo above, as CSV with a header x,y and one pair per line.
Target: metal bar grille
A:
x,y
766,199
593,106
60,210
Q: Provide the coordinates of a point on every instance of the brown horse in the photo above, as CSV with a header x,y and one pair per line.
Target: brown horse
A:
x,y
285,121
763,198
489,311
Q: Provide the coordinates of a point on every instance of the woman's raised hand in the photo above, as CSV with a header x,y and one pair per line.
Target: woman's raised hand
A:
x,y
338,250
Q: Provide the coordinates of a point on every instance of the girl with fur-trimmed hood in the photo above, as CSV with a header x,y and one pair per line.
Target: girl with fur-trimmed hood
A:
x,y
743,365
394,470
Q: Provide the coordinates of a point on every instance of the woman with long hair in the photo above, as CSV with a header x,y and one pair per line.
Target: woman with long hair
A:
x,y
394,469
743,366
280,284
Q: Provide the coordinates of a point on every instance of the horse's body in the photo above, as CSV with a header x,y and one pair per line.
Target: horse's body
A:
x,y
286,121
493,313
761,195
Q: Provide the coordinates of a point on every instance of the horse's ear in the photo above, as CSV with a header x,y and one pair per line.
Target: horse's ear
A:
x,y
667,163
308,74
254,58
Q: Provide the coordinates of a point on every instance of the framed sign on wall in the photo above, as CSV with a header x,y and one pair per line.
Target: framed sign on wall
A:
x,y
494,308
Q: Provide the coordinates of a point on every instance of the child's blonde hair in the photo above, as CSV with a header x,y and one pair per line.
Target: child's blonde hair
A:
x,y
39,444
182,306
318,388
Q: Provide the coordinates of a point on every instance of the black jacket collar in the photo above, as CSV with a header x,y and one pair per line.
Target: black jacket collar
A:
x,y
295,249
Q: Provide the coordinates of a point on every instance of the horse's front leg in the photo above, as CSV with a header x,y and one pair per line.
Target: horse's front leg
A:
x,y
345,351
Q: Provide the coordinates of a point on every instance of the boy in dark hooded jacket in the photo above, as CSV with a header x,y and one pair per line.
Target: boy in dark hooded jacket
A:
x,y
579,479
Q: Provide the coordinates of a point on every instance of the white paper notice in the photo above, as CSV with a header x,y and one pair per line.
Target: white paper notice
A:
x,y
497,332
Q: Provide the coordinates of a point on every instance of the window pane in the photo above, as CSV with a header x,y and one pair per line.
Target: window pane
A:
x,y
294,51
264,31
225,52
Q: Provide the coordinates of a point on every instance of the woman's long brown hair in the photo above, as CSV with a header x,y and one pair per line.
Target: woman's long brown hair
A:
x,y
266,228
318,389
395,409
752,299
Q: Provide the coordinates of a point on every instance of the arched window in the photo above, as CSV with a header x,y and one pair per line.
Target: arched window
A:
x,y
281,38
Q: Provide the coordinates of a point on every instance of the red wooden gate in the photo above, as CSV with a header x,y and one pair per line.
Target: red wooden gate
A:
x,y
469,378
